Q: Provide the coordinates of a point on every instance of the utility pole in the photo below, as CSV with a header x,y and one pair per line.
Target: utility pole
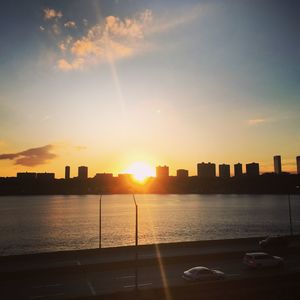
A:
x,y
136,243
290,214
100,220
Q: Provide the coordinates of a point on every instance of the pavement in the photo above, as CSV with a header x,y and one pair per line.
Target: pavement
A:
x,y
100,272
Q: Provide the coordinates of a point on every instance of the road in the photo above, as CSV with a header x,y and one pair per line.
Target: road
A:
x,y
92,282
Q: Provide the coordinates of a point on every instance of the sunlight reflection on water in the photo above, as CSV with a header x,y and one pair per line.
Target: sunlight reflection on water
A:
x,y
51,223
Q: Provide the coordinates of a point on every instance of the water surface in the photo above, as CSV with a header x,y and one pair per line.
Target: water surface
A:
x,y
31,224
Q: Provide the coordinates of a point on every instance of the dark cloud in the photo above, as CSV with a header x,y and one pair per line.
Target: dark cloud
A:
x,y
31,157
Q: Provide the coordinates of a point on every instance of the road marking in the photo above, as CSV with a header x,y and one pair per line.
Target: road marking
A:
x,y
46,285
78,263
145,284
44,296
91,287
139,285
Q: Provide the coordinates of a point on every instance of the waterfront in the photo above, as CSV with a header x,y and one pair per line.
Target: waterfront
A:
x,y
51,223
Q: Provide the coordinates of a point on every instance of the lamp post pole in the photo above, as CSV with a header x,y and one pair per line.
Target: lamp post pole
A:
x,y
100,220
136,243
290,214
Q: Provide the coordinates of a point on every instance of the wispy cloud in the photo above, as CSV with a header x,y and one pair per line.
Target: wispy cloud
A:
x,y
111,40
174,19
31,157
50,13
70,24
257,121
115,38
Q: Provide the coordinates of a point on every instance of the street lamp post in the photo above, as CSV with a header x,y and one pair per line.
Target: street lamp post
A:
x,y
136,242
100,220
290,214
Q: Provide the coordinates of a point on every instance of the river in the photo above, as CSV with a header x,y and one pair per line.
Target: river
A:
x,y
31,224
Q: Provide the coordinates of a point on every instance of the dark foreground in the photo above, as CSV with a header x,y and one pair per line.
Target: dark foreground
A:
x,y
111,273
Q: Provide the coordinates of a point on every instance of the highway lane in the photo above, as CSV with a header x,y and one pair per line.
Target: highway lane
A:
x,y
91,283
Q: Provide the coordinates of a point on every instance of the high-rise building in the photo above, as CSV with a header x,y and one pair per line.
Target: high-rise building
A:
x,y
224,171
277,164
252,169
162,171
298,164
206,170
181,173
82,172
238,170
67,172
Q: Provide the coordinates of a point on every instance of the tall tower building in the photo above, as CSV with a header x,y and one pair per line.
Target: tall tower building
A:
x,y
181,173
206,170
298,164
224,171
162,171
82,172
238,170
252,169
67,172
277,164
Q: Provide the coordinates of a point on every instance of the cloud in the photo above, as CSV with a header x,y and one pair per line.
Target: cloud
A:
x,y
64,45
42,28
76,64
85,22
50,13
174,19
70,24
257,121
31,157
56,29
111,40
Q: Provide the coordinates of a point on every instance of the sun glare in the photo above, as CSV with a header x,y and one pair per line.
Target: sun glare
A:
x,y
141,171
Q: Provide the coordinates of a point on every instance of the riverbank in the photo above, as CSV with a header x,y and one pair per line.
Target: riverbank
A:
x,y
124,256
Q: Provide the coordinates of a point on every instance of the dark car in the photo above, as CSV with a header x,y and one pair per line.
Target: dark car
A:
x,y
274,242
258,260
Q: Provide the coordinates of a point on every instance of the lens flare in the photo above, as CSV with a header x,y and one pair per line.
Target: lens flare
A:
x,y
140,171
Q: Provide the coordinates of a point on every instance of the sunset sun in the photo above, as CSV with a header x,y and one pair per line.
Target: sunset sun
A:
x,y
140,171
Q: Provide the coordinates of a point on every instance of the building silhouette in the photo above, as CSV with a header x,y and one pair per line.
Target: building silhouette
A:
x,y
181,173
162,171
206,170
238,170
277,164
45,176
224,171
252,169
24,176
104,176
82,172
67,172
298,164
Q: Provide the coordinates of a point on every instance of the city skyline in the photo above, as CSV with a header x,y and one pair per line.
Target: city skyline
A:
x,y
109,84
141,171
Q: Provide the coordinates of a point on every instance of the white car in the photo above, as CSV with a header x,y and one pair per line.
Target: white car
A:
x,y
262,259
202,273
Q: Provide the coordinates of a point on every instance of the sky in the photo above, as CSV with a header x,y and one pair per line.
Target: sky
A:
x,y
109,83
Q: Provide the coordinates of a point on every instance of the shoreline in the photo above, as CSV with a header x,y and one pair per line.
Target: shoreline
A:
x,y
145,247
